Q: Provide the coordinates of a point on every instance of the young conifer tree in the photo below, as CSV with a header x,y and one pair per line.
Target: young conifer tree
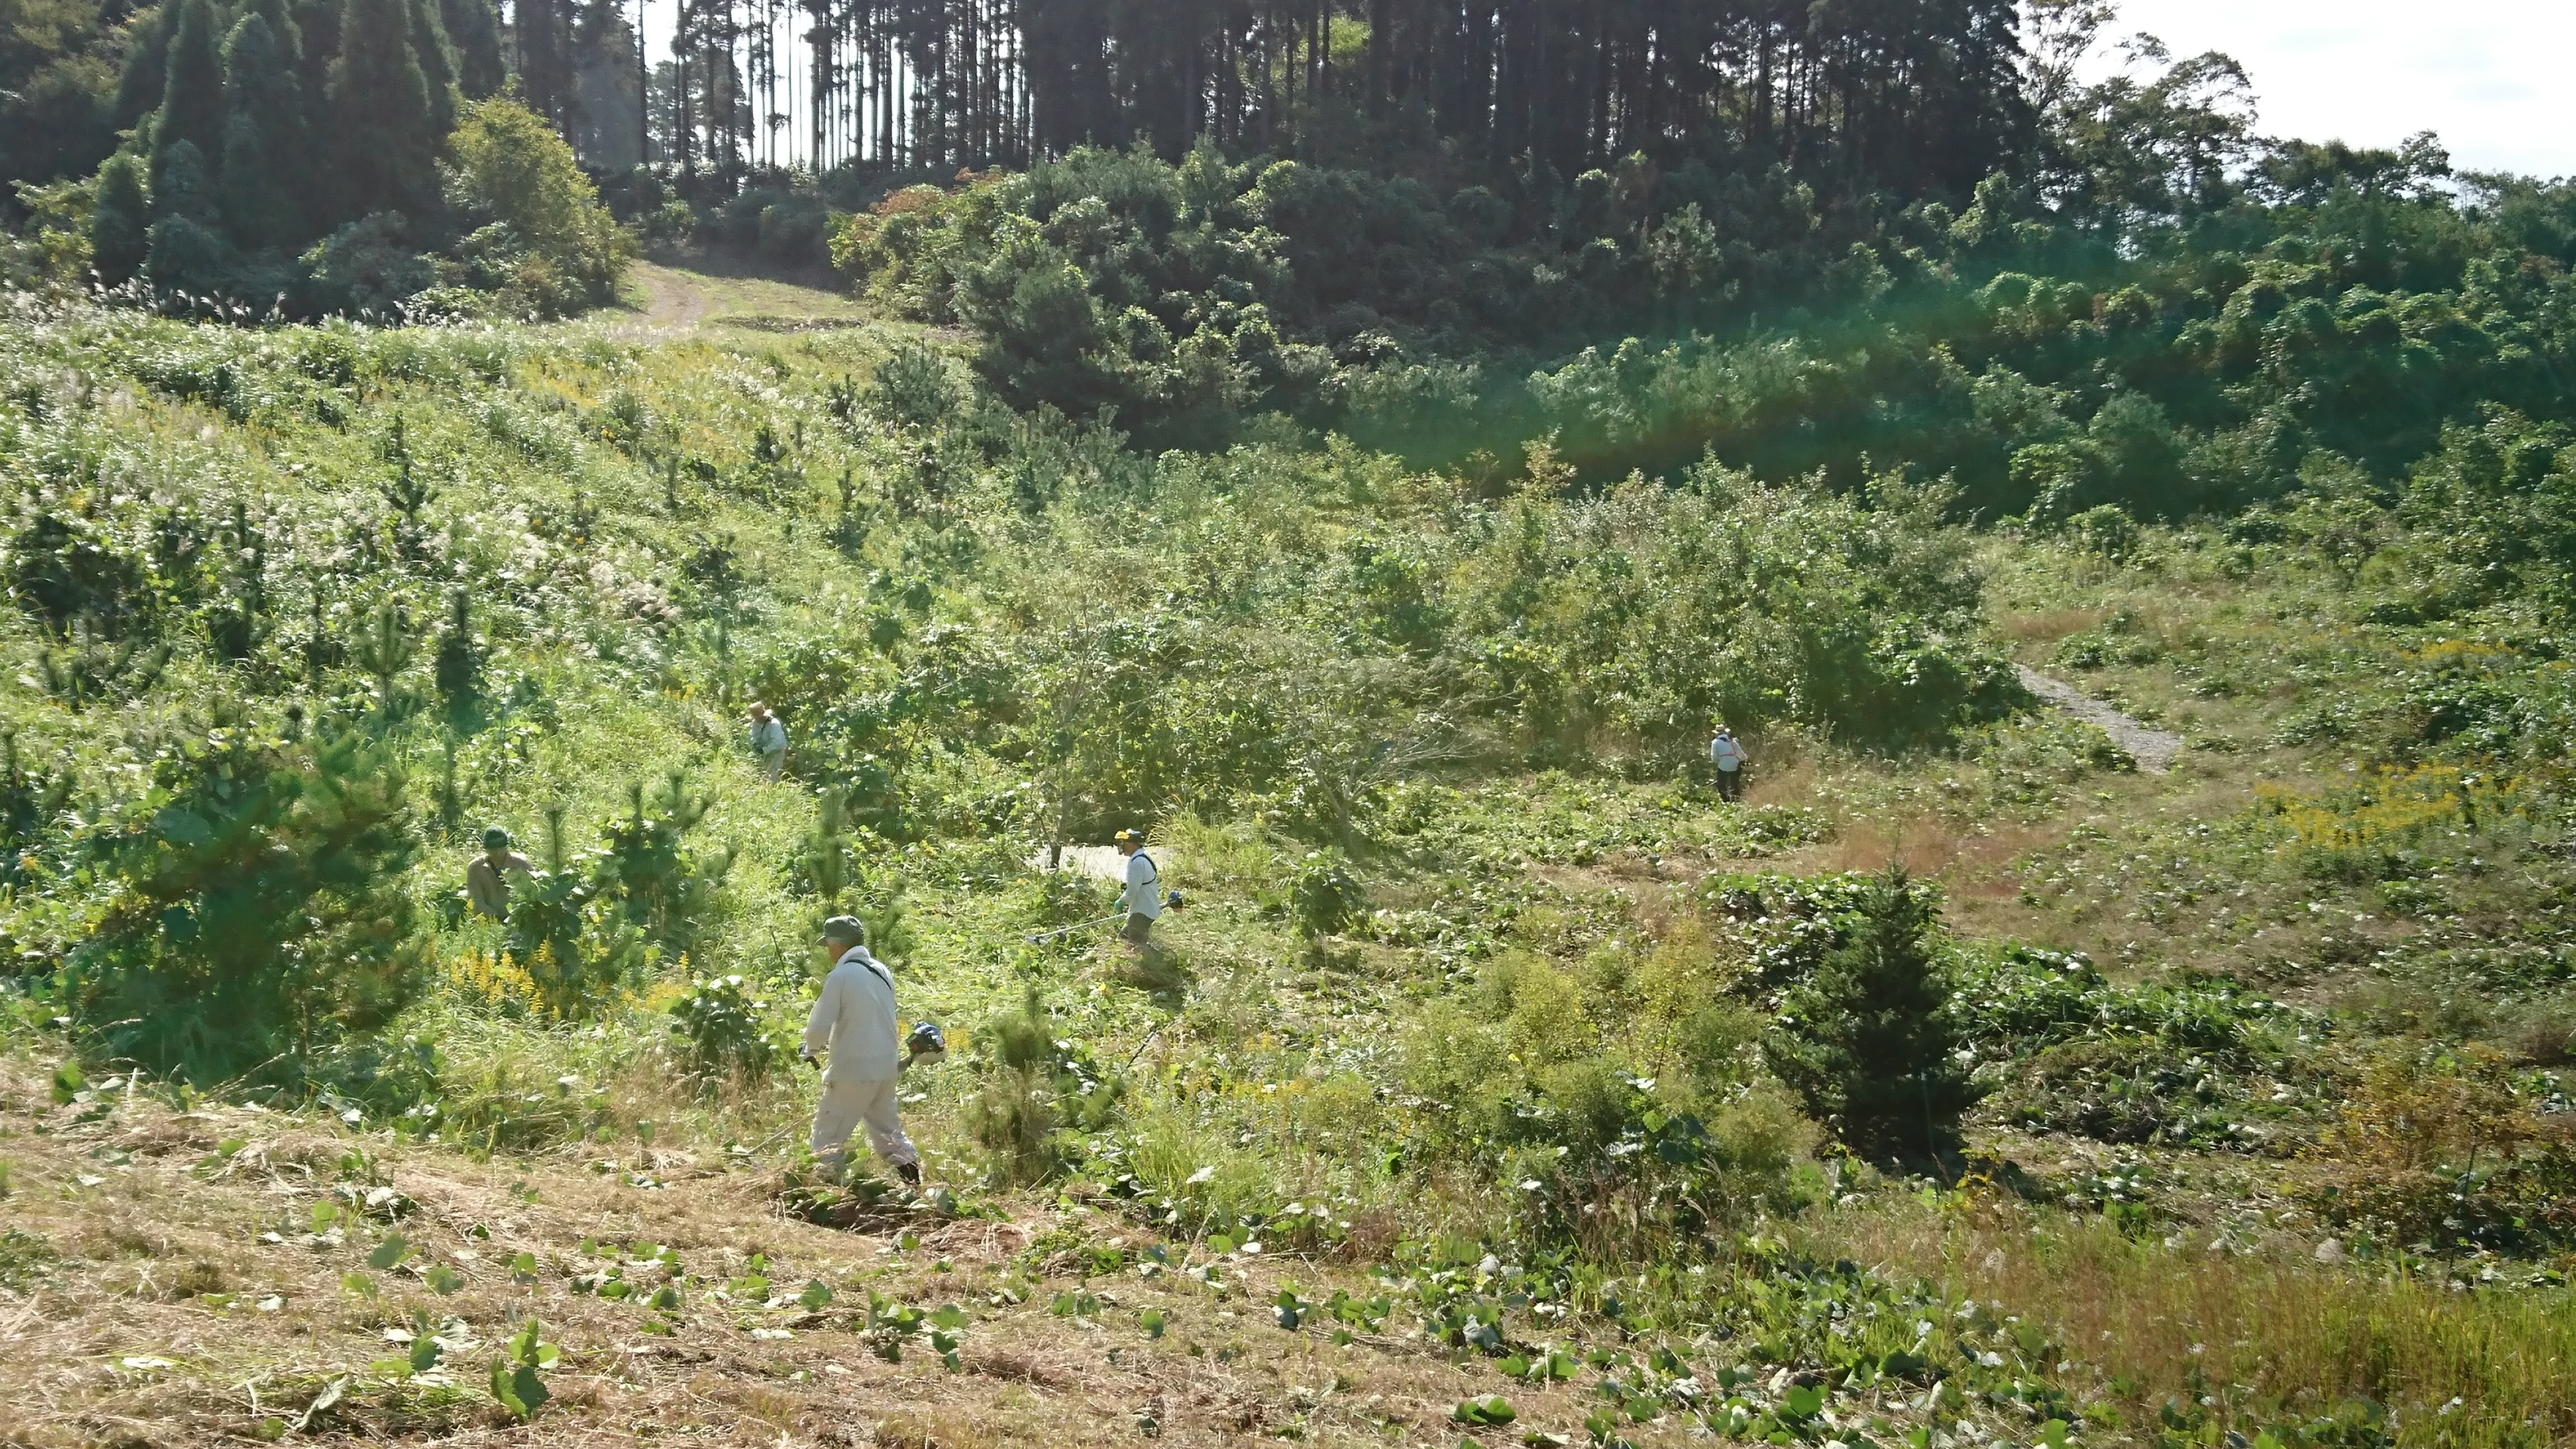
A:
x,y
476,33
264,158
117,242
192,94
386,136
1867,1040
262,912
458,665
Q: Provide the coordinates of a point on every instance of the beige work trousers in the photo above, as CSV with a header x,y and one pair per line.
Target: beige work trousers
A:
x,y
845,1107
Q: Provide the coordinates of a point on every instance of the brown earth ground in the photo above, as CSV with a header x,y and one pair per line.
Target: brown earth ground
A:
x,y
161,1283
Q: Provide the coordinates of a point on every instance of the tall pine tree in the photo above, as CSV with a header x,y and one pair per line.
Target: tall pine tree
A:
x,y
387,136
283,29
542,29
265,158
437,65
476,33
192,92
139,85
319,20
607,122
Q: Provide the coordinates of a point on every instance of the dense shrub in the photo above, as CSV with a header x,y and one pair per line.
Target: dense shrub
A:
x,y
2184,355
366,269
1629,1086
543,243
792,226
2448,1151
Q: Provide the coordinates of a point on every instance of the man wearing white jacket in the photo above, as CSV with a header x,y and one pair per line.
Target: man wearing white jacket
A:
x,y
1143,898
854,1021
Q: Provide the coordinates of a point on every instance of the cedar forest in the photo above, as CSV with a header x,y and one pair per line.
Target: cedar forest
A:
x,y
1369,447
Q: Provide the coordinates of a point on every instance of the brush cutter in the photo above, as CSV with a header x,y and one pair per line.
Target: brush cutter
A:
x,y
1170,902
1034,937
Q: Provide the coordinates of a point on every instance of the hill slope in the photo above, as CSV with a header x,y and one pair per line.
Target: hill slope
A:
x,y
1483,1010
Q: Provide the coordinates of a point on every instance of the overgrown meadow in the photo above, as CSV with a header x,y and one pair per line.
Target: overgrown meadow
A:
x,y
2126,1107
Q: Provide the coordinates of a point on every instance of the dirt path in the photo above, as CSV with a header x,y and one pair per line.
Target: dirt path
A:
x,y
2153,749
670,300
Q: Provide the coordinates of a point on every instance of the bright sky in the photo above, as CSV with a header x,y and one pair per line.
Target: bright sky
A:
x,y
2491,76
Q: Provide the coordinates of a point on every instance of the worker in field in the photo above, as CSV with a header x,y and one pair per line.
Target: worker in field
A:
x,y
1143,899
768,742
487,877
854,1026
1726,756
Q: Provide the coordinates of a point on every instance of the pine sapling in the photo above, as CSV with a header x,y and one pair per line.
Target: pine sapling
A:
x,y
385,650
1868,1040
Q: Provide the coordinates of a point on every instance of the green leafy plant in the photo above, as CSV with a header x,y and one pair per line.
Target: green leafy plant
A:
x,y
518,1374
1322,895
725,1027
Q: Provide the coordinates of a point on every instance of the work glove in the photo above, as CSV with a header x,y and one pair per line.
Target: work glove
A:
x,y
807,1058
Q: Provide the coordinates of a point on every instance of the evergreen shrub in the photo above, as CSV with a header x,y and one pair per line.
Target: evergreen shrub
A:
x,y
254,911
1868,1040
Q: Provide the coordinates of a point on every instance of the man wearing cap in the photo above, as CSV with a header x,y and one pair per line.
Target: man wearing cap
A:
x,y
1143,899
768,741
487,882
1726,754
854,1021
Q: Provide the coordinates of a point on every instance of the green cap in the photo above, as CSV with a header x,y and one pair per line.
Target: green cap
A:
x,y
496,838
846,931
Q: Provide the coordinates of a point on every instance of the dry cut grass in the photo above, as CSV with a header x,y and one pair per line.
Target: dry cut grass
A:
x,y
161,1285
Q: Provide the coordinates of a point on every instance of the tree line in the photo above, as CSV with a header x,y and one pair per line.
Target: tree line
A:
x,y
1925,97
1926,92
279,124
307,157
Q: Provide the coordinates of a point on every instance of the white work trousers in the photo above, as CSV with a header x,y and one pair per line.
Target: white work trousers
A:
x,y
845,1107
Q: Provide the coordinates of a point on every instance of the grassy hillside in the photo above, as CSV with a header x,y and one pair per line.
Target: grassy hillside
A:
x,y
1493,1053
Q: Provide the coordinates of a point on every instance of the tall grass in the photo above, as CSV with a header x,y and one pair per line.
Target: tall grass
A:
x,y
2259,1337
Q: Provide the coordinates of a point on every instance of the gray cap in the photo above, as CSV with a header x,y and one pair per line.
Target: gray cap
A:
x,y
846,931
